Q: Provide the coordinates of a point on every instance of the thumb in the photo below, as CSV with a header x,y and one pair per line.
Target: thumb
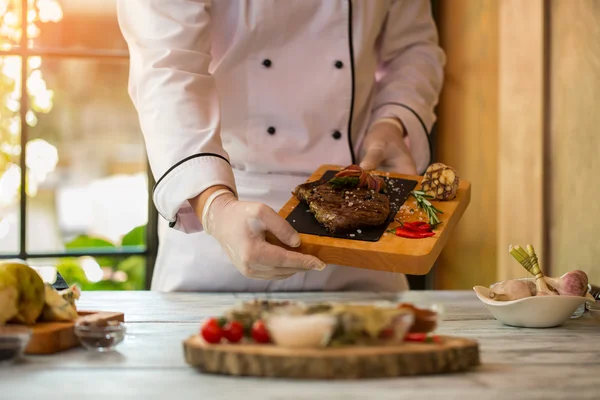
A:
x,y
403,164
373,158
279,227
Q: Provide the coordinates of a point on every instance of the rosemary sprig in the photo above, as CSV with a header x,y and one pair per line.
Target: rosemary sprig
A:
x,y
423,202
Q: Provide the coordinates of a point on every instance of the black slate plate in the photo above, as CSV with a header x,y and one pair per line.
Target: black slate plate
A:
x,y
304,221
60,283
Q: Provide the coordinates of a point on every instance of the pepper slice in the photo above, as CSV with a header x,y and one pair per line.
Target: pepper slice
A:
x,y
422,337
405,233
417,226
415,337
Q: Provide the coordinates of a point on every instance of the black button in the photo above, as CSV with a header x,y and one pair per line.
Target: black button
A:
x,y
337,135
339,64
267,63
271,130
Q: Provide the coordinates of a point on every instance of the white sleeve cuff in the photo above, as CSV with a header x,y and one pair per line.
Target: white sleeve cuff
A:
x,y
185,180
419,141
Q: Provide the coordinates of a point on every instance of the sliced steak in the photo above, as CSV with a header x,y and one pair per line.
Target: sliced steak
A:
x,y
342,210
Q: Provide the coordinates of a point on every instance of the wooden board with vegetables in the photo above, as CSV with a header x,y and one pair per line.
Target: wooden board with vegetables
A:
x,y
281,339
48,315
54,337
414,239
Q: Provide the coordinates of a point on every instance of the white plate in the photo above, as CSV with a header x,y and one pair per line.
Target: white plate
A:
x,y
531,312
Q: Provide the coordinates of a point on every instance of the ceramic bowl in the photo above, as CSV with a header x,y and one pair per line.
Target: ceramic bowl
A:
x,y
531,312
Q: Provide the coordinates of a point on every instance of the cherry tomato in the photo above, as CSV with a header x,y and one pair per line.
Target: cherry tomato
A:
x,y
211,331
233,331
260,334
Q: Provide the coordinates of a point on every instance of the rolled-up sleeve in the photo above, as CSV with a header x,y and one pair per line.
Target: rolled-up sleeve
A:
x,y
177,102
410,76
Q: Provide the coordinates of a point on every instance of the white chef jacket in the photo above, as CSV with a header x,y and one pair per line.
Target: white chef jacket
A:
x,y
265,91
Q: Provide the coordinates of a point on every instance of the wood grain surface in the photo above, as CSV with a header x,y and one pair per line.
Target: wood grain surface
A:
x,y
390,253
52,337
521,132
453,354
574,137
149,364
467,137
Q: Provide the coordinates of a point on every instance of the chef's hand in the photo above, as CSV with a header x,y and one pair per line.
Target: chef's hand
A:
x,y
384,146
240,228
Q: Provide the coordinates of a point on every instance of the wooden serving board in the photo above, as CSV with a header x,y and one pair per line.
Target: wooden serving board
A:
x,y
453,354
52,337
390,252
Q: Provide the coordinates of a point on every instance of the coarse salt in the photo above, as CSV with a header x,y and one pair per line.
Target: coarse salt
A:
x,y
358,231
352,235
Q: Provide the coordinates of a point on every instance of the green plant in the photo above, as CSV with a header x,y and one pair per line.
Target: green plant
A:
x,y
118,272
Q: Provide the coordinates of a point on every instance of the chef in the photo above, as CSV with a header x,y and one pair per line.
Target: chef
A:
x,y
239,101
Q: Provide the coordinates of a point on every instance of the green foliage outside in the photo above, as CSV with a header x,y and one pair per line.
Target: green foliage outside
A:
x,y
121,272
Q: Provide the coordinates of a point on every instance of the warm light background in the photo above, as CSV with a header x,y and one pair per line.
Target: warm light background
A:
x,y
519,117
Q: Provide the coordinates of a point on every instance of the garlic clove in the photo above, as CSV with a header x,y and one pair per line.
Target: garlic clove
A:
x,y
572,283
514,289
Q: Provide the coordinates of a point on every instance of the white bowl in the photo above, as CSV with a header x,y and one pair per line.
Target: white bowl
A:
x,y
531,312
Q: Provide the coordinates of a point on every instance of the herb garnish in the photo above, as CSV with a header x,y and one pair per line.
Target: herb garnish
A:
x,y
424,203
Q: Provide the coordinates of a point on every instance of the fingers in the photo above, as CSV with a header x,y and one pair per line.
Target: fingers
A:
x,y
265,272
268,276
276,270
279,227
282,277
269,254
373,158
403,164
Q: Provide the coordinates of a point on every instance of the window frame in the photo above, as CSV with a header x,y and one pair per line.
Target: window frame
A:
x,y
24,52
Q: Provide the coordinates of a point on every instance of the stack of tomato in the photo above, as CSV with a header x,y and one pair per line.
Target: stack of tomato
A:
x,y
213,330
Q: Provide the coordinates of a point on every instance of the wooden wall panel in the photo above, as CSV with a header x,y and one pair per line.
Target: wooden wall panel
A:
x,y
574,157
467,136
521,132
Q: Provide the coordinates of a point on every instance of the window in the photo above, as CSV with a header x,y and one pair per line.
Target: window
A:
x,y
74,178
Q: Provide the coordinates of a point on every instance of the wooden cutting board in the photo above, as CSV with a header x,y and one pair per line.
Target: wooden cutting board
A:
x,y
453,354
52,337
390,252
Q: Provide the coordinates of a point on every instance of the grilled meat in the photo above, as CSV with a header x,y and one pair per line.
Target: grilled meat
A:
x,y
344,209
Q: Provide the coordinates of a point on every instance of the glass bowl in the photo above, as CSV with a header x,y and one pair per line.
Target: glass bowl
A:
x,y
101,336
593,308
13,341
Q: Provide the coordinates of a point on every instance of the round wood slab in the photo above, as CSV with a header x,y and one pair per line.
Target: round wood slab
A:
x,y
453,354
